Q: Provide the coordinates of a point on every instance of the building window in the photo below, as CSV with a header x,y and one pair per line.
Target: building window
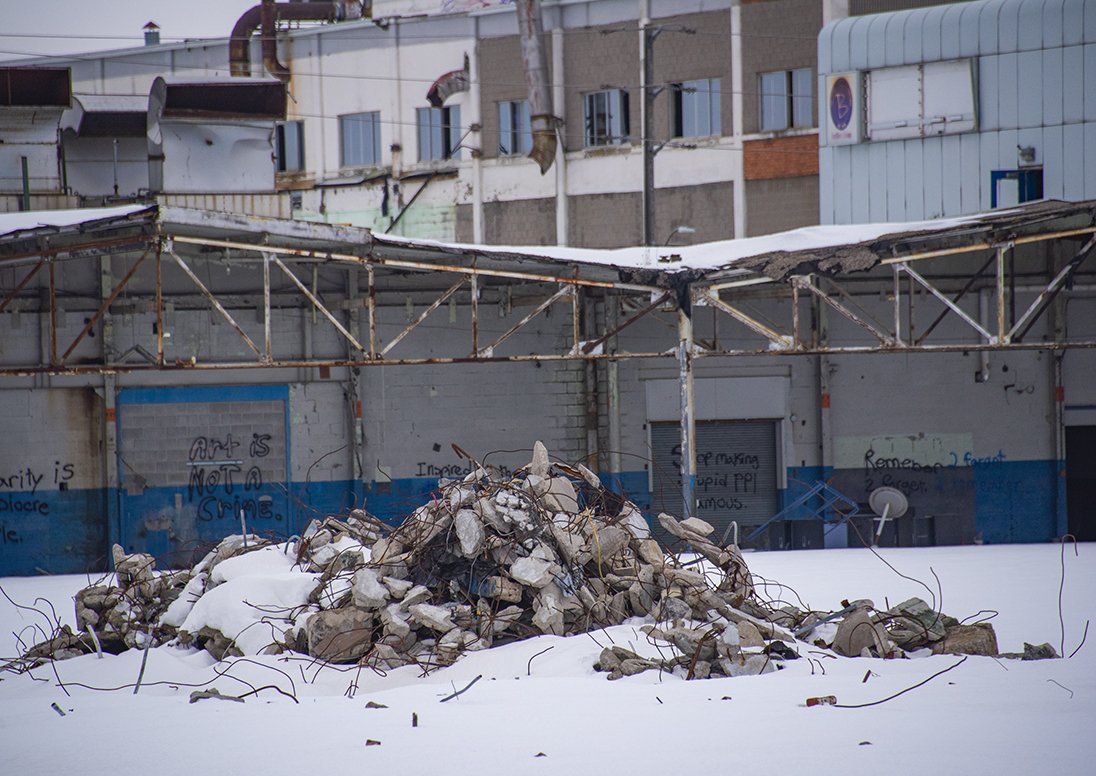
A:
x,y
606,117
936,98
439,133
515,130
696,108
360,139
289,146
786,99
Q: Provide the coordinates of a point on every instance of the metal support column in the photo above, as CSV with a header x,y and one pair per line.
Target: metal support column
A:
x,y
688,416
647,117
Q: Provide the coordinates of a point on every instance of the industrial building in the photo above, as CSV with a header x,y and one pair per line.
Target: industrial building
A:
x,y
280,302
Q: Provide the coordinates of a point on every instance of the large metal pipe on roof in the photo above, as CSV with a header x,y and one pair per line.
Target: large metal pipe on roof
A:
x,y
265,17
535,64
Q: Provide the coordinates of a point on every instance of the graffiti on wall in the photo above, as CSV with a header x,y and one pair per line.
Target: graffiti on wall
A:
x,y
916,464
226,478
20,494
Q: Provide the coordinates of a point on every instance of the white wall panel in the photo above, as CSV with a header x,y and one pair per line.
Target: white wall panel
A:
x,y
988,78
1029,17
825,185
1052,86
1073,23
968,30
896,181
1089,90
1053,163
970,175
1073,169
933,164
842,185
951,180
1008,32
931,44
1073,80
1090,161
1052,23
1029,103
876,41
988,163
915,172
877,183
1008,98
859,182
894,38
988,33
950,32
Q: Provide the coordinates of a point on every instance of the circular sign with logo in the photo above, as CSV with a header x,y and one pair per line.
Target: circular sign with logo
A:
x,y
841,103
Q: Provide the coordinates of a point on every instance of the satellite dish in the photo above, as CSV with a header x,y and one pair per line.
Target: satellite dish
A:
x,y
888,502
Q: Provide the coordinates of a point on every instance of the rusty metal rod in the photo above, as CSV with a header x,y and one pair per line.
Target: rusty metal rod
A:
x,y
22,284
104,306
423,316
52,313
757,327
415,265
593,344
159,306
881,336
97,369
962,292
216,304
543,306
947,302
317,304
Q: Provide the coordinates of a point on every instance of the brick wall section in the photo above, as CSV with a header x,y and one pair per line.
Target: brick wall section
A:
x,y
520,222
777,35
605,220
682,56
597,58
501,78
781,157
780,204
159,441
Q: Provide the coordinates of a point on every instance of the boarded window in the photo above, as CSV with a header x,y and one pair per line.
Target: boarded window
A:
x,y
921,100
736,472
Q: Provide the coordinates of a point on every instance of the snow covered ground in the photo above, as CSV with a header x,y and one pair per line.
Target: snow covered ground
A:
x,y
986,716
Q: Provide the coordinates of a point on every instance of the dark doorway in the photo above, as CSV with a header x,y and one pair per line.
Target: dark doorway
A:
x,y
1081,481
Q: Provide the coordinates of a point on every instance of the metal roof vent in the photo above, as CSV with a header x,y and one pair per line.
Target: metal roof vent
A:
x,y
152,34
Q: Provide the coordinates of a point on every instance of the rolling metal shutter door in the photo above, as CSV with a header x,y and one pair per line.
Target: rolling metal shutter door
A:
x,y
736,475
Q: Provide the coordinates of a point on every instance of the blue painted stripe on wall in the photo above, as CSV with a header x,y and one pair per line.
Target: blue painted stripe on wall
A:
x,y
203,393
66,531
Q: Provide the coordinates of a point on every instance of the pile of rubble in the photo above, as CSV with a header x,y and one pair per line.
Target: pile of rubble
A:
x,y
492,559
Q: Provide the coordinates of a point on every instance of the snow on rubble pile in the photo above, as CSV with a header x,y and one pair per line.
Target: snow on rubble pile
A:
x,y
489,560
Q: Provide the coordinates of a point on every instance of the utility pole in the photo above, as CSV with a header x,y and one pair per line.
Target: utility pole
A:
x,y
647,86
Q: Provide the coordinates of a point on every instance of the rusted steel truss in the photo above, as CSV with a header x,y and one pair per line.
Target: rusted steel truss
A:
x,y
999,328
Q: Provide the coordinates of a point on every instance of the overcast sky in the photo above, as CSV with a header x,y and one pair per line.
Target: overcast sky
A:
x,y
47,27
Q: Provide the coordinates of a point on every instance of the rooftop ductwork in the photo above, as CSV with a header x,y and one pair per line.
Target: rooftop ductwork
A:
x,y
265,18
535,64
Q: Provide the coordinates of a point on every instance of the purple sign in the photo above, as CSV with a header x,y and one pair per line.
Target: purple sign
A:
x,y
841,104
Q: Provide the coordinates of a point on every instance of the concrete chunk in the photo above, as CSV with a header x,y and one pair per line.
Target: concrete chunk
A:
x,y
436,618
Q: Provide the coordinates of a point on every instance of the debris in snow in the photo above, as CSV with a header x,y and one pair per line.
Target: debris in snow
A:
x,y
489,560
